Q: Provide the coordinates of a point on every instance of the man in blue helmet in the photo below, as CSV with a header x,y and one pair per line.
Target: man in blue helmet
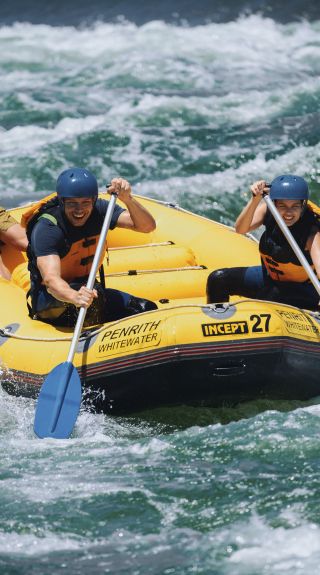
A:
x,y
281,277
63,237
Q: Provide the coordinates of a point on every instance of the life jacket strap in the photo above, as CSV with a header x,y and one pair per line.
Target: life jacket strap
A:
x,y
49,217
102,278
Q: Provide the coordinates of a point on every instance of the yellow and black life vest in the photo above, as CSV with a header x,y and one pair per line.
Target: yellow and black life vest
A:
x,y
76,255
277,256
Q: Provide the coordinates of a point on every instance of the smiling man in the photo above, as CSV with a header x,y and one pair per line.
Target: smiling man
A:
x,y
281,277
63,239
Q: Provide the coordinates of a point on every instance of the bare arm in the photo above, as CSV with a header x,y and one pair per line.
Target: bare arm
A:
x,y
315,252
50,269
15,236
136,217
253,213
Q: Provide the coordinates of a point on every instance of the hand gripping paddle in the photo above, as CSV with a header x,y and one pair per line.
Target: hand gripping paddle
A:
x,y
59,399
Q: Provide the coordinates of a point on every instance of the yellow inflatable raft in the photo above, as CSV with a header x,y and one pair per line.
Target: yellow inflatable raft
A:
x,y
184,352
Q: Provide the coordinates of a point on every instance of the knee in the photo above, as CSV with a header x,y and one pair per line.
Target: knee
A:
x,y
217,277
216,285
140,305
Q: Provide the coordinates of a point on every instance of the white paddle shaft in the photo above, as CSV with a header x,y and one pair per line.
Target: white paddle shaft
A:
x,y
284,228
92,275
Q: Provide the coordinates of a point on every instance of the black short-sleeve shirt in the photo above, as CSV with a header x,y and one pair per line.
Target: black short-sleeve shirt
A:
x,y
47,238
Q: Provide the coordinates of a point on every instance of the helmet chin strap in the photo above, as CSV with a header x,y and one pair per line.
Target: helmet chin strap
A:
x,y
304,206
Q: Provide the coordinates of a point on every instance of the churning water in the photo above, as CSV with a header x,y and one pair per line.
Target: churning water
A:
x,y
192,113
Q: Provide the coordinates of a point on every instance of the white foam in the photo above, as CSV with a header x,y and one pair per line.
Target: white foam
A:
x,y
30,138
30,545
300,160
261,546
146,85
251,38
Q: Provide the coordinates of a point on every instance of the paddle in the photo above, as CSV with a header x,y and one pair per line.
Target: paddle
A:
x,y
284,228
59,399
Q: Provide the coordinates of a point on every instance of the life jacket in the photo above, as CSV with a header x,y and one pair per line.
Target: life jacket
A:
x,y
35,209
277,256
76,256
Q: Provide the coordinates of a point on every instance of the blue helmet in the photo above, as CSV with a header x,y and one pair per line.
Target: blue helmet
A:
x,y
77,183
289,188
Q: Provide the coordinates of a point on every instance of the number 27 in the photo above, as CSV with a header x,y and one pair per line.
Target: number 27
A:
x,y
263,318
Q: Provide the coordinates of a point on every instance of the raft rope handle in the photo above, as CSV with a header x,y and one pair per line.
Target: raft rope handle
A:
x,y
152,245
88,335
6,333
155,271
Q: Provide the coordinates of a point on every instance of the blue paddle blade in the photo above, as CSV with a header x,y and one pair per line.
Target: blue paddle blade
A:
x,y
58,402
